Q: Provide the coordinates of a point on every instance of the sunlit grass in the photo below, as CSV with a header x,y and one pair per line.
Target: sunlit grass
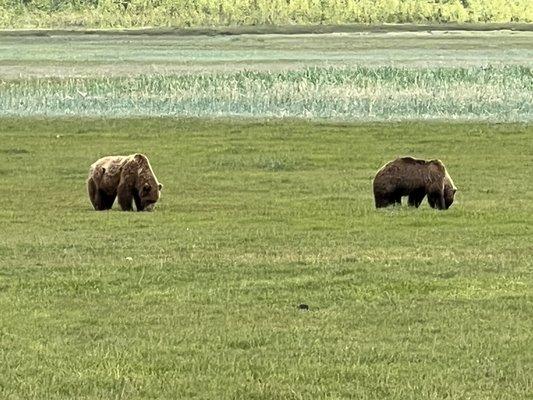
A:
x,y
355,93
199,298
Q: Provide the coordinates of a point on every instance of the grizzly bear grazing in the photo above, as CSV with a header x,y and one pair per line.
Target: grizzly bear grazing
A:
x,y
408,176
129,177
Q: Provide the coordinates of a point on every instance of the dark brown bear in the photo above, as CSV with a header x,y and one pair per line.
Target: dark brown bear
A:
x,y
408,176
130,178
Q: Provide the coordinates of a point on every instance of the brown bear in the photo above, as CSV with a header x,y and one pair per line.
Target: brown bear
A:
x,y
130,178
407,176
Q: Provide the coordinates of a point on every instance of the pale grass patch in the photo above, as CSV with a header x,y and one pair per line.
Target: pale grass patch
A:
x,y
357,93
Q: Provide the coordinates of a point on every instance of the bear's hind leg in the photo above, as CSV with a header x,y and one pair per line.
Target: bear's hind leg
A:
x,y
383,200
397,199
416,197
107,200
93,193
99,199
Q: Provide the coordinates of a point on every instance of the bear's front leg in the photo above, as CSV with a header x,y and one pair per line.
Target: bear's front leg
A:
x,y
442,202
138,202
125,196
436,200
416,197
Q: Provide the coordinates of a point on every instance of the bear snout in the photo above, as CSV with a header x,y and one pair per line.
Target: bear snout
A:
x,y
149,207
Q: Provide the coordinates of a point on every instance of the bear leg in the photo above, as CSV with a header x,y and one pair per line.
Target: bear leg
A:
x,y
93,193
416,197
397,198
137,200
442,203
383,200
99,199
436,200
106,200
125,197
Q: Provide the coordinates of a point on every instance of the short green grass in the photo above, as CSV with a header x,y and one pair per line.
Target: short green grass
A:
x,y
199,298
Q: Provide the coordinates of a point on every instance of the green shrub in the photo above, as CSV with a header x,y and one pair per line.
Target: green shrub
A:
x,y
186,13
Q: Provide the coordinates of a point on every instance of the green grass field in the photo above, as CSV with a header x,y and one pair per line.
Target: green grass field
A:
x,y
199,298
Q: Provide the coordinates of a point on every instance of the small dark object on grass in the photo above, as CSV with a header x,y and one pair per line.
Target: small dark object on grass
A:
x,y
304,307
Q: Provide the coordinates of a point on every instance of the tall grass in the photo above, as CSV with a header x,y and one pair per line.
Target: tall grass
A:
x,y
138,13
351,93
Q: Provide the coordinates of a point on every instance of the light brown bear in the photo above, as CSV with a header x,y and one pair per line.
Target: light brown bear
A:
x,y
407,176
130,178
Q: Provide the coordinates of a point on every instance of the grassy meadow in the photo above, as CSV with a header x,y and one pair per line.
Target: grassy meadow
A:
x,y
199,298
339,94
266,146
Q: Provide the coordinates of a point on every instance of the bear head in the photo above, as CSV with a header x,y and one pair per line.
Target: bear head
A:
x,y
449,191
149,195
149,189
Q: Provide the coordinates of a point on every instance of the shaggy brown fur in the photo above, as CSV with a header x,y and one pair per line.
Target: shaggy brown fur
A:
x,y
408,176
129,177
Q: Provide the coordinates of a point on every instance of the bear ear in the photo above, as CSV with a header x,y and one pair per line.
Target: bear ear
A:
x,y
140,158
160,186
